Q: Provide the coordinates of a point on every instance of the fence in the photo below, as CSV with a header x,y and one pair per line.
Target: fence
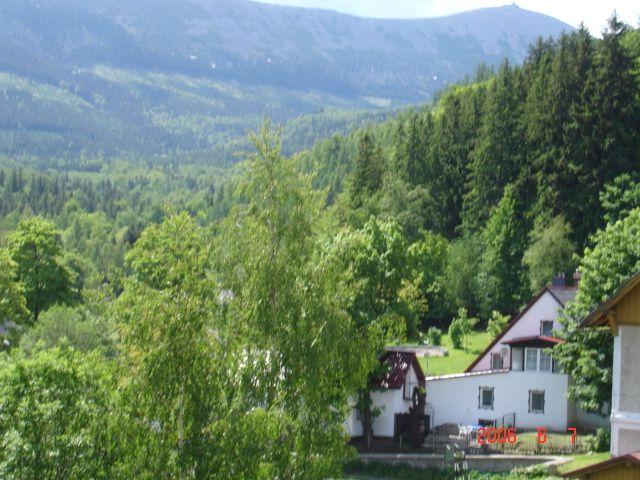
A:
x,y
522,443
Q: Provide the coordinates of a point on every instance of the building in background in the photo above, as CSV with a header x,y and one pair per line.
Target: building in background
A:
x,y
515,380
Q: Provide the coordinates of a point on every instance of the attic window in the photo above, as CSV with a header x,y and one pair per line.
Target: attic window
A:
x,y
485,398
546,328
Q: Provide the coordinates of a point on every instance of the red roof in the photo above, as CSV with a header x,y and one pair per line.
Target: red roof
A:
x,y
399,363
630,458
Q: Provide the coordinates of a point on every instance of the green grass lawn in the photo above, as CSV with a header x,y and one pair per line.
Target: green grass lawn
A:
x,y
457,360
581,461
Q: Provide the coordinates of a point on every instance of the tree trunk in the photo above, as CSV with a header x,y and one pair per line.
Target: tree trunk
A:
x,y
367,420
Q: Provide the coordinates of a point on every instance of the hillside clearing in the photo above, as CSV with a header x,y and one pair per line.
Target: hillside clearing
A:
x,y
457,360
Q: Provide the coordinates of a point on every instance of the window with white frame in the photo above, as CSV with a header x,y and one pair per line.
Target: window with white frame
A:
x,y
485,398
538,359
517,355
536,401
545,360
531,359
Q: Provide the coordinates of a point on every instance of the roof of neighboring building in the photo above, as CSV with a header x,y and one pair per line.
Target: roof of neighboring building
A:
x,y
555,291
534,341
563,295
600,315
399,363
631,458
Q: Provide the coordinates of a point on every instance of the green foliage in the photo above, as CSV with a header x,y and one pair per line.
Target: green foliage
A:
x,y
550,251
620,197
168,347
72,326
462,271
587,353
497,159
368,170
456,333
497,323
501,282
460,328
407,472
287,314
429,260
36,247
602,440
55,416
434,336
12,302
377,261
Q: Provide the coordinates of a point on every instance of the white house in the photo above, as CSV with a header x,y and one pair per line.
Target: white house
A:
x,y
394,396
515,380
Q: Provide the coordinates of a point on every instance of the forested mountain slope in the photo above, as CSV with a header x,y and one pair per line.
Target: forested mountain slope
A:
x,y
147,77
515,172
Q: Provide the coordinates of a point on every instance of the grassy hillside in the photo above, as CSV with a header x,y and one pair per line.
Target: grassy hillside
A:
x,y
457,360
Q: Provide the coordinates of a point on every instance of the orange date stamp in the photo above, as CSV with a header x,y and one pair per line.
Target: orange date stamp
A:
x,y
503,435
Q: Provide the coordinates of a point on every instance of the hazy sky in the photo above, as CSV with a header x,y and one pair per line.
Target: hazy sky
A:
x,y
592,12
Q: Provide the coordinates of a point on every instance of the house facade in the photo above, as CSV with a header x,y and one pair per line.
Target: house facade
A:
x,y
393,396
515,381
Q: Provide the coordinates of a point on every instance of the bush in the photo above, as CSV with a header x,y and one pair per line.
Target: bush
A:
x,y
456,333
602,439
434,335
497,323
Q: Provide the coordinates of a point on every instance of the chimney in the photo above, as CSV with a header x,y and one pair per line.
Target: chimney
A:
x,y
560,280
577,276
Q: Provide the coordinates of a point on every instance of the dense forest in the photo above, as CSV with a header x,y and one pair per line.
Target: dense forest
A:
x,y
158,324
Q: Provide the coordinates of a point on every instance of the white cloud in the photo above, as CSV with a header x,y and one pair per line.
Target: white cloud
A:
x,y
593,13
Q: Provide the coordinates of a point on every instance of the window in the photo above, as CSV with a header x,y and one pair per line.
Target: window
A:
x,y
483,422
516,358
546,328
496,361
536,401
485,398
408,386
538,359
531,359
545,361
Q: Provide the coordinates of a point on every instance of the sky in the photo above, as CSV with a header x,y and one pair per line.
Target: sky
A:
x,y
593,13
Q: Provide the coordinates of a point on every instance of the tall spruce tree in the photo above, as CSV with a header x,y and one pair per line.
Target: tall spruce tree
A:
x,y
369,167
498,156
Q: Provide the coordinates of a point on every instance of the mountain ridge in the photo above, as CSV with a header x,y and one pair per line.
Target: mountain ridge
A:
x,y
161,62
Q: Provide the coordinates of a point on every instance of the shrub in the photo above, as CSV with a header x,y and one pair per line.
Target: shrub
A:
x,y
602,439
456,333
497,323
434,335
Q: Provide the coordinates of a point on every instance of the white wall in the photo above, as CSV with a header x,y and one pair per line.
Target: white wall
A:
x,y
625,411
455,400
389,402
546,308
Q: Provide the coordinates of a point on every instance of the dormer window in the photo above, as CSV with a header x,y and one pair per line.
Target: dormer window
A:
x,y
546,328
